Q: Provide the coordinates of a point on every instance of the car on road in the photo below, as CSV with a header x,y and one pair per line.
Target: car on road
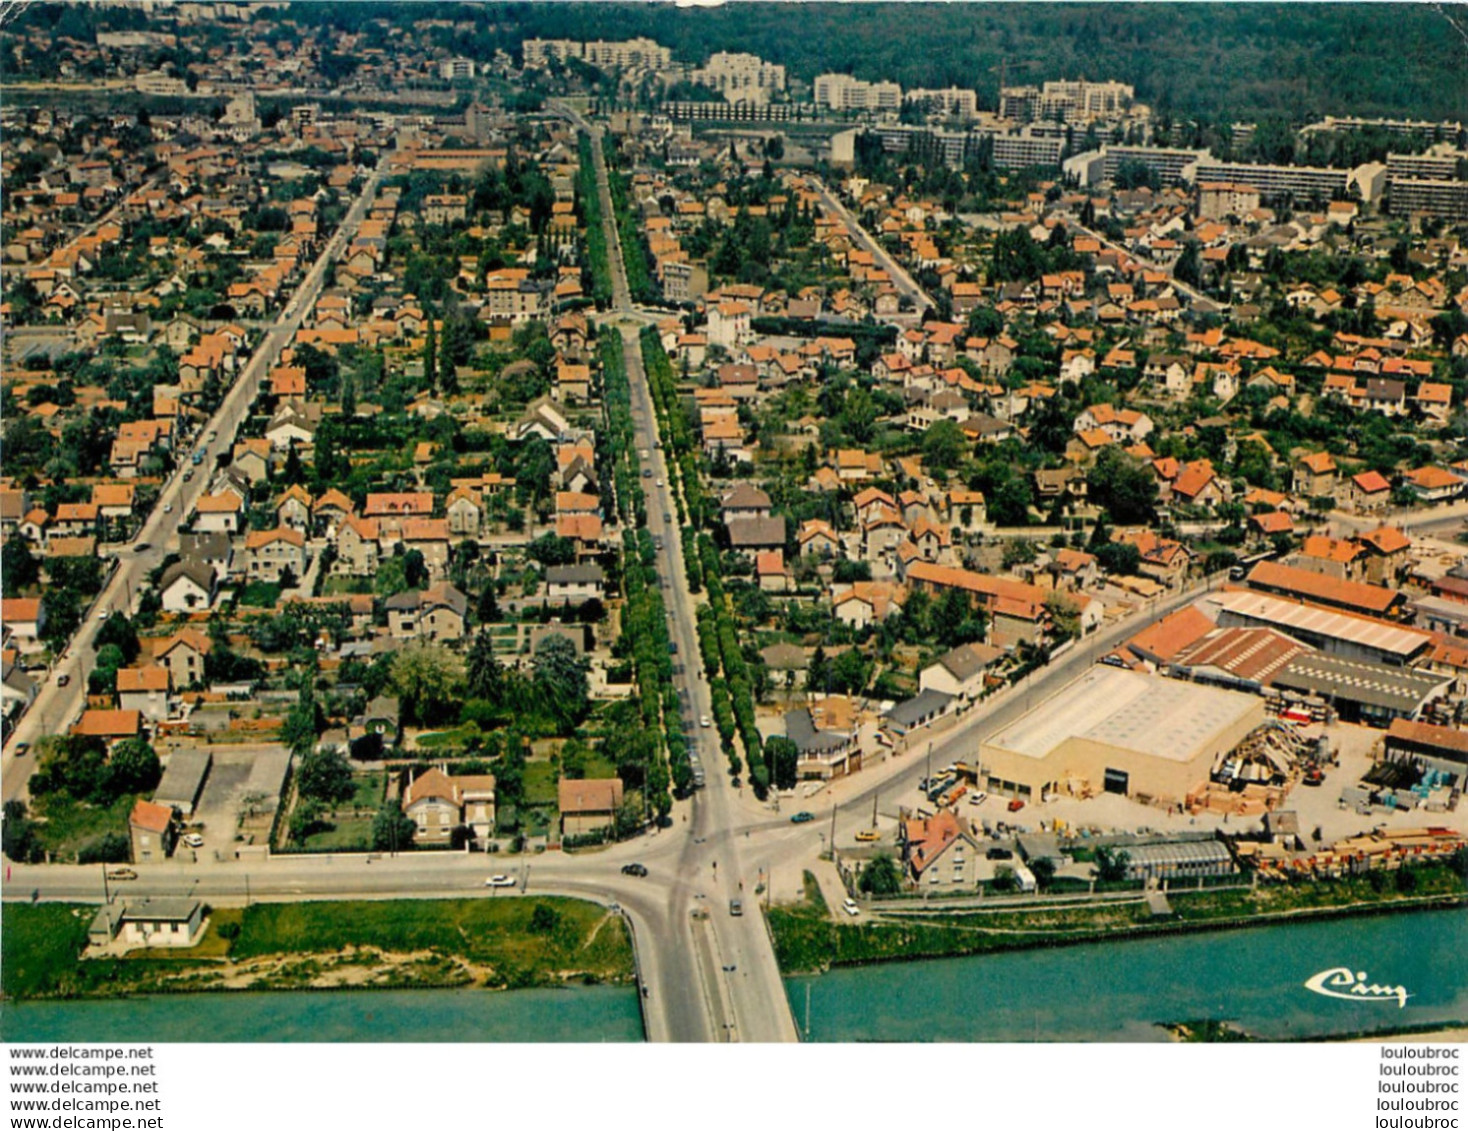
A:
x,y
703,721
660,482
802,817
667,516
634,869
103,614
142,547
167,508
121,874
193,840
500,881
22,749
851,908
63,679
866,836
647,473
736,907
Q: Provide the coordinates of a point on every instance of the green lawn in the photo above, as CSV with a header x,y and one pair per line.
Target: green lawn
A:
x,y
438,739
39,946
495,932
66,825
260,595
540,783
346,833
341,586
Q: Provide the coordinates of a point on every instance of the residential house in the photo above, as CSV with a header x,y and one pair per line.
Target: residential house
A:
x,y
588,805
940,850
276,556
188,587
144,690
185,655
439,803
153,831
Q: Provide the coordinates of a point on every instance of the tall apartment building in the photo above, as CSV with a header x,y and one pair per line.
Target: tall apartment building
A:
x,y
1301,181
951,100
606,55
627,54
456,68
1021,151
843,92
740,77
1442,200
538,52
1104,164
1072,102
1424,166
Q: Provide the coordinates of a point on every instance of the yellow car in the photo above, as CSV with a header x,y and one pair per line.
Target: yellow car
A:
x,y
866,836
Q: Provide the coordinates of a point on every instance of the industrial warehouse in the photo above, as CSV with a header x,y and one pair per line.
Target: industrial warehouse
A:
x,y
1120,732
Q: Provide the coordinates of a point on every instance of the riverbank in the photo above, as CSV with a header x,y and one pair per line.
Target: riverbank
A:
x,y
809,940
388,944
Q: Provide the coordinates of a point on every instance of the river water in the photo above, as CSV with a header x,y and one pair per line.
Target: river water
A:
x,y
582,1013
1118,991
1103,992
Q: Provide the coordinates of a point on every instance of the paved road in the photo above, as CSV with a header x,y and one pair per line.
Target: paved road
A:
x,y
744,998
904,282
57,707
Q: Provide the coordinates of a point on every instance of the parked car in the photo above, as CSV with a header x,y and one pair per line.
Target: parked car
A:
x,y
977,798
634,870
22,749
999,854
851,908
703,721
802,817
866,836
1016,805
193,840
500,881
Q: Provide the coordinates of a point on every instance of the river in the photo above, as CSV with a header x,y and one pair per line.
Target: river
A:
x,y
1100,992
1118,991
581,1013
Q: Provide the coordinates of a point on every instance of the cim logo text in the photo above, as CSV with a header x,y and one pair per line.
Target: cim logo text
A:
x,y
1348,985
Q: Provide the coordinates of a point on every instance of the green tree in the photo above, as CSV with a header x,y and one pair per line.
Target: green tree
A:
x,y
430,355
325,776
544,919
133,768
881,877
485,678
19,568
560,675
392,829
783,756
1111,864
118,630
944,445
1122,485
429,680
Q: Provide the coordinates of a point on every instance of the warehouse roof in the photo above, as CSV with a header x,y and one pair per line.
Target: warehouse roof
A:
x,y
1297,619
1360,681
1164,718
1252,654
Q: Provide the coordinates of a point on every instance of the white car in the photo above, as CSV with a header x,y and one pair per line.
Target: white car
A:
x,y
703,721
851,908
500,881
977,798
193,840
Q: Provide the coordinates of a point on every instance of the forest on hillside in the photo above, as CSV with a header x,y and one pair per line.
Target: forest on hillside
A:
x,y
1210,61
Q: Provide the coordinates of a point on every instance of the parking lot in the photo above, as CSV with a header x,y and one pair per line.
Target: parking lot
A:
x,y
244,782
